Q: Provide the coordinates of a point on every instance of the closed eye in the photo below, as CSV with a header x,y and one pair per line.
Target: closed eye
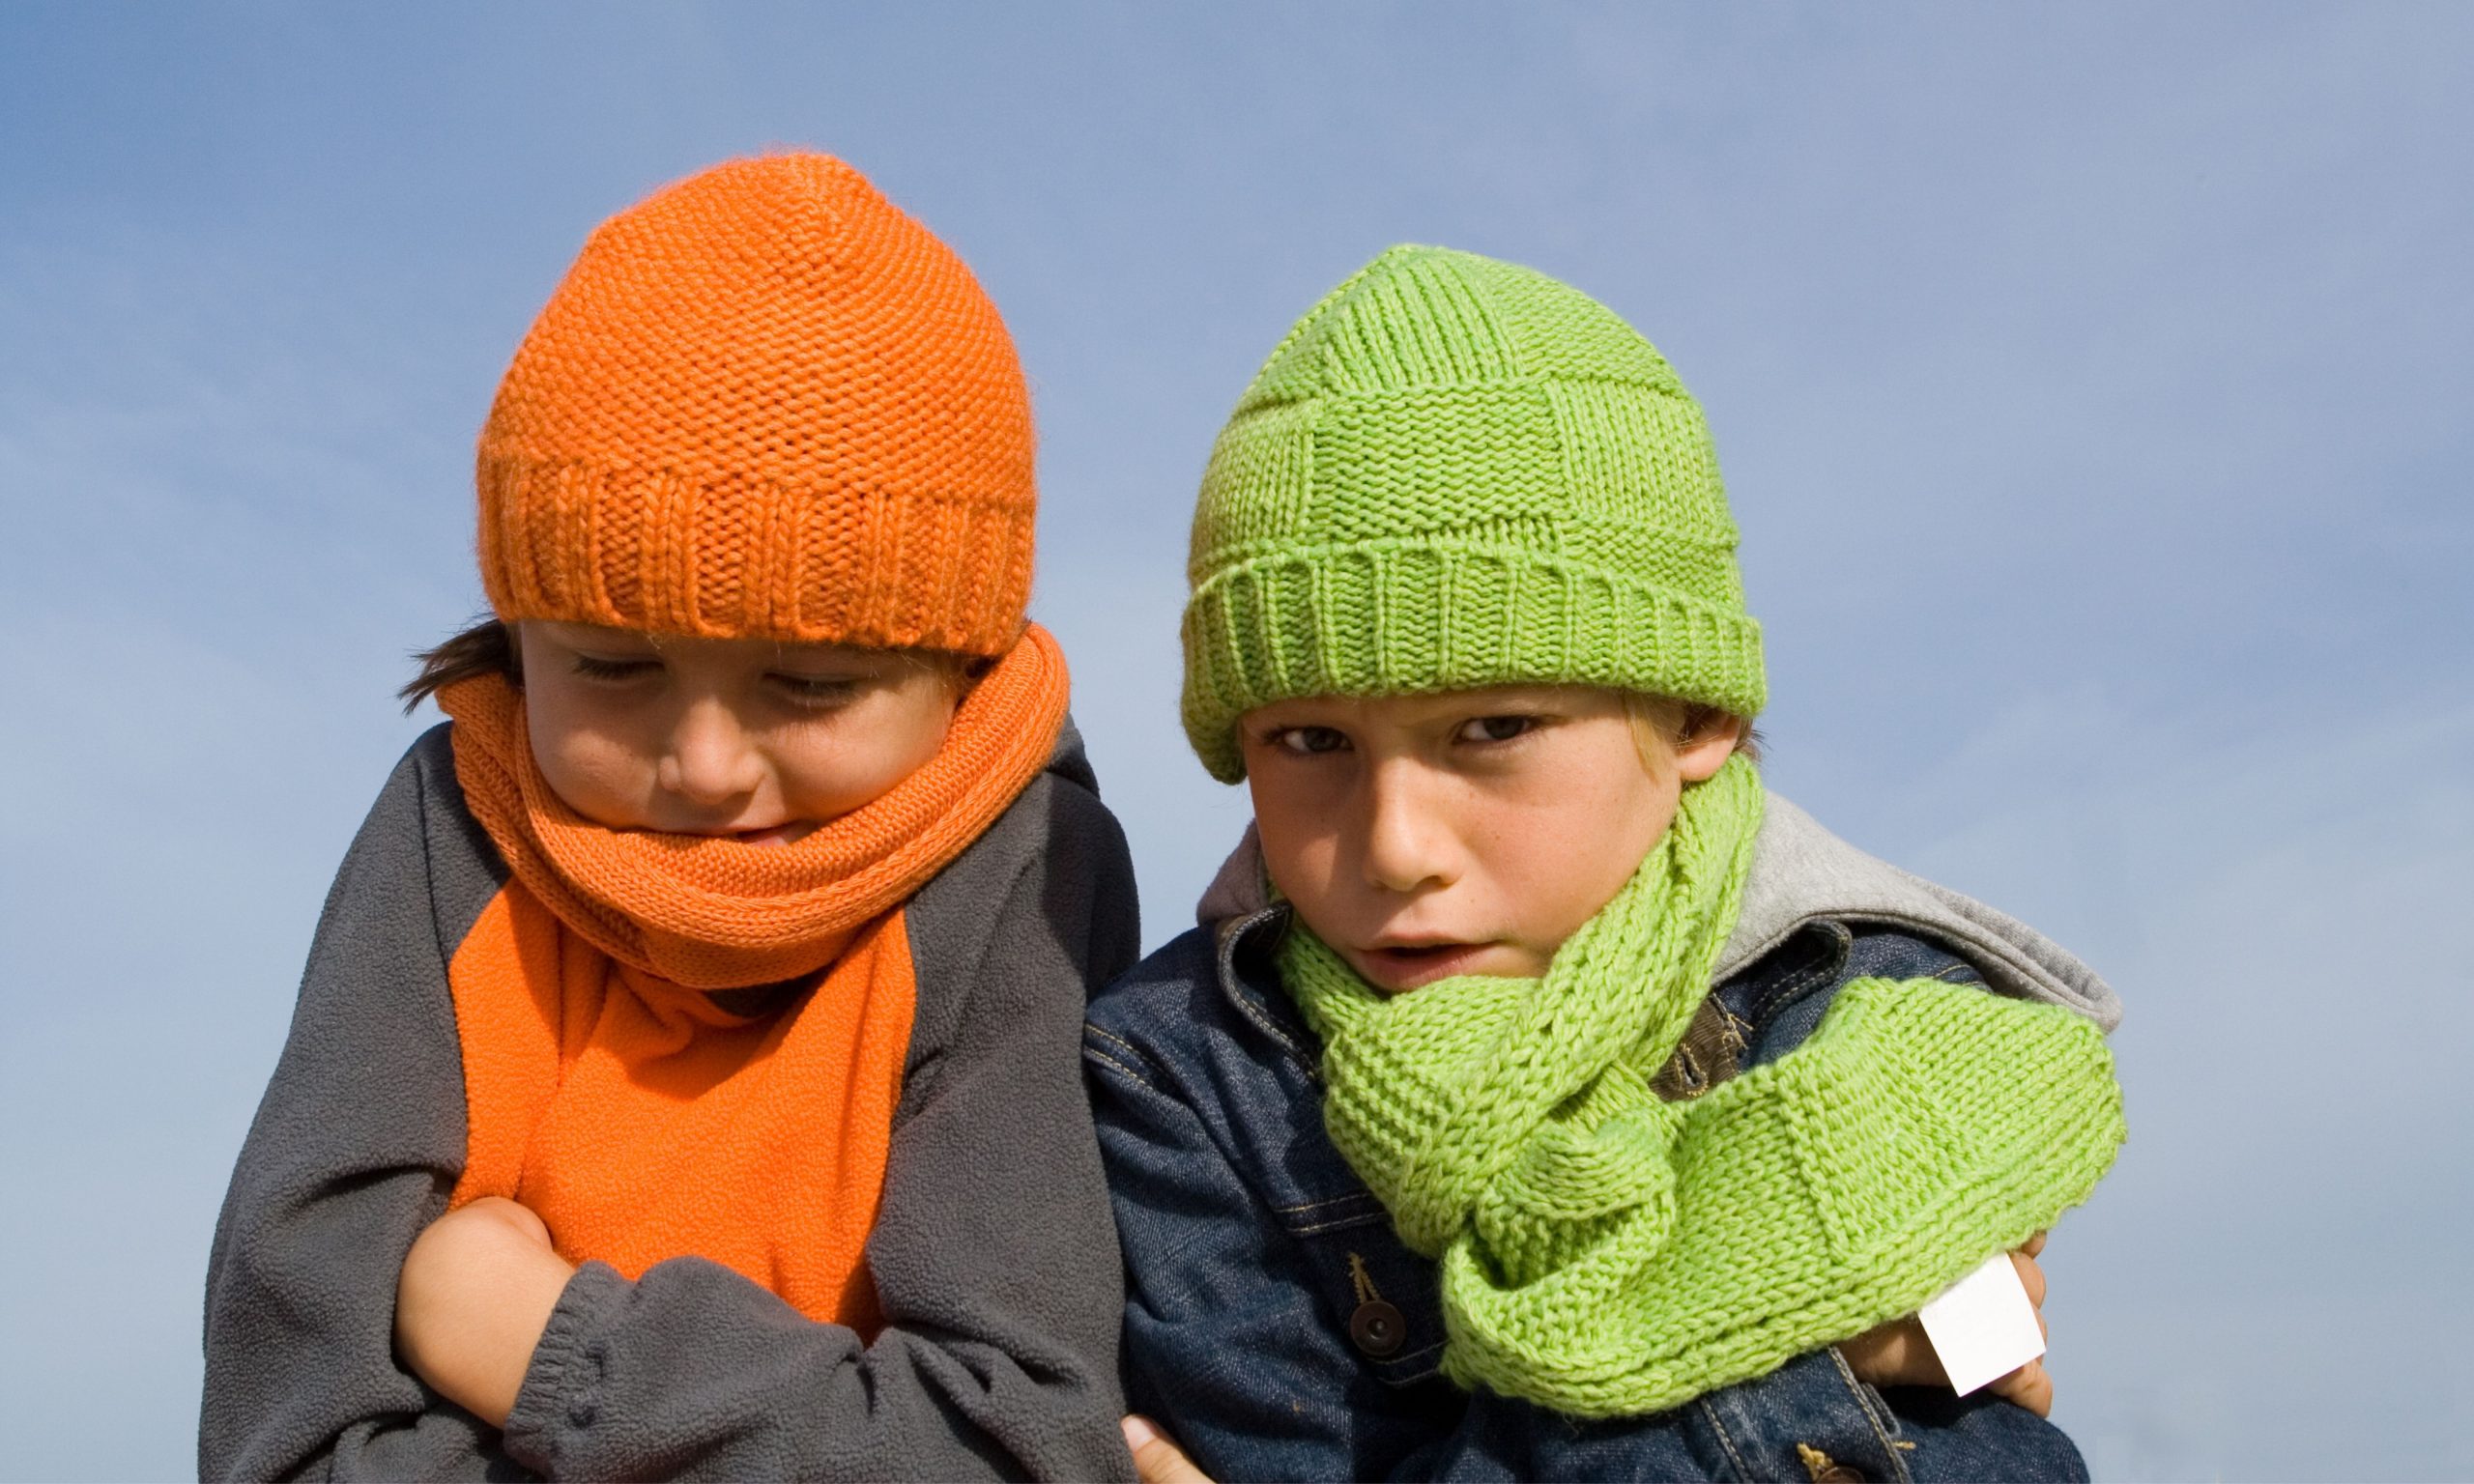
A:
x,y
813,690
593,667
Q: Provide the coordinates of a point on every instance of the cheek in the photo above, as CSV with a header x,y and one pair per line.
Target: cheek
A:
x,y
1295,825
587,760
1560,858
830,768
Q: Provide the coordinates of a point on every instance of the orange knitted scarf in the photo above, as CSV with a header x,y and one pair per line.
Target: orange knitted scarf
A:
x,y
716,914
643,1118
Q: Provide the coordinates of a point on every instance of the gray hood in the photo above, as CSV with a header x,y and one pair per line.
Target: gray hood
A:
x,y
1801,872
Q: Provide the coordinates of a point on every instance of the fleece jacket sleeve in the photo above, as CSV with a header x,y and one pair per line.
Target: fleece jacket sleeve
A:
x,y
995,1255
353,1149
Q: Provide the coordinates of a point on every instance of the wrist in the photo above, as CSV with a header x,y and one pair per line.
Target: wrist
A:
x,y
475,1294
509,1324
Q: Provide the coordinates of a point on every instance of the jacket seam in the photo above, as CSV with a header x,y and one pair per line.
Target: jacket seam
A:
x,y
1872,1418
1726,1440
453,1015
1094,1054
1232,985
1778,997
1272,1028
1091,1032
1329,1200
1338,1224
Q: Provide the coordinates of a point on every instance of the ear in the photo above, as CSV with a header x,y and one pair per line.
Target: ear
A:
x,y
1708,748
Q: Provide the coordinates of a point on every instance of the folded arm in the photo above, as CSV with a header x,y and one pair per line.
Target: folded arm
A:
x,y
994,1256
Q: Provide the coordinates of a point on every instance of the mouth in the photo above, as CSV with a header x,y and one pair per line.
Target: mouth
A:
x,y
788,833
1408,965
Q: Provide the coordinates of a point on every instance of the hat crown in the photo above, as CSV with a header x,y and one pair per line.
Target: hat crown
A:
x,y
1456,471
765,400
1439,391
1421,316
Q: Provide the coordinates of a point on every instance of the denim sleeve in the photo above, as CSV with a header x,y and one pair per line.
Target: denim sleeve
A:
x,y
1222,1345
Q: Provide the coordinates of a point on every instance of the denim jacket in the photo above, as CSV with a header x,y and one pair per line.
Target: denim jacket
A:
x,y
1279,1329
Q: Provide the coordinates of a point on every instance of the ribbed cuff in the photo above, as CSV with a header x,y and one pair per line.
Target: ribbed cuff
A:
x,y
558,1405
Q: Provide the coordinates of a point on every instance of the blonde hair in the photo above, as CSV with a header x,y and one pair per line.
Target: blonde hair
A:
x,y
1663,726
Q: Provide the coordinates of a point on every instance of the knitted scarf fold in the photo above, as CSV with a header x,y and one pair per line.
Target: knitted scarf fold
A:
x,y
1605,1253
716,914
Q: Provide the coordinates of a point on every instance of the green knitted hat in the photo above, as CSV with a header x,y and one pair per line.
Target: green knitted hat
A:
x,y
1456,473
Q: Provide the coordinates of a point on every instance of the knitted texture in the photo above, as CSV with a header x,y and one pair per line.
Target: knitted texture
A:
x,y
1455,473
1604,1252
711,913
765,402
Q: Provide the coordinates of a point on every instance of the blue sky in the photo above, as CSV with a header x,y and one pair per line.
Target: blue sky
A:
x,y
2091,383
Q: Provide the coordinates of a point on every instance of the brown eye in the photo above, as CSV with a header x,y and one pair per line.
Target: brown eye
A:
x,y
1307,741
1497,728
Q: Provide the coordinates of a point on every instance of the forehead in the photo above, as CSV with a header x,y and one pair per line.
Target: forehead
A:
x,y
1425,708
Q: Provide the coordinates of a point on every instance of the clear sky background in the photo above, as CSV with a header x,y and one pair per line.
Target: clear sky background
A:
x,y
2092,387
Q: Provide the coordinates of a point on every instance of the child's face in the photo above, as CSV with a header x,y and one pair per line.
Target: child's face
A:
x,y
742,737
1464,832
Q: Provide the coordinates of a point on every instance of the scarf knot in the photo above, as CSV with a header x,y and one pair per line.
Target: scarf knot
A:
x,y
1604,1252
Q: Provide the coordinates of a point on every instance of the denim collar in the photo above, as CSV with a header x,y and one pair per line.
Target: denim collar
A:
x,y
1250,978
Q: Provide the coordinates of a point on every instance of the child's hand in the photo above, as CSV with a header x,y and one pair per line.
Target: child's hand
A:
x,y
475,1294
1157,1460
1898,1355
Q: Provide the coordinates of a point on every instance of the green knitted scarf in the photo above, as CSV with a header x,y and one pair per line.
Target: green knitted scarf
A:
x,y
1607,1253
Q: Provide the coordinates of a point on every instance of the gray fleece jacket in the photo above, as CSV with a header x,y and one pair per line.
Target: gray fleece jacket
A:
x,y
995,1254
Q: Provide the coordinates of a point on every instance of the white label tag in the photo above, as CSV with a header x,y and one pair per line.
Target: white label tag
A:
x,y
1983,1327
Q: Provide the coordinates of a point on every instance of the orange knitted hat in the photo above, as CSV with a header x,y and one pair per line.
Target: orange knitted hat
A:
x,y
765,402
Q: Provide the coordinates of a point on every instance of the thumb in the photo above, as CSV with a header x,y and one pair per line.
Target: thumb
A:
x,y
1157,1460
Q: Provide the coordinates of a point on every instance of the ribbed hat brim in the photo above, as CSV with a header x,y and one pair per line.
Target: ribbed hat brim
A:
x,y
1396,616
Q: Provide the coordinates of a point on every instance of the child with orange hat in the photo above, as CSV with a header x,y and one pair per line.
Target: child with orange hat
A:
x,y
685,1079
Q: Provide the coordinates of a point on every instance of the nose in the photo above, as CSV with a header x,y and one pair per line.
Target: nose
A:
x,y
1409,845
711,759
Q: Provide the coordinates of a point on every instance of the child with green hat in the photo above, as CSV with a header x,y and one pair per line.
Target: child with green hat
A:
x,y
1540,1097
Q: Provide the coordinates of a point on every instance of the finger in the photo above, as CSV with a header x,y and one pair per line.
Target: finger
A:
x,y
2031,1277
2017,1388
2034,1246
1893,1355
1157,1460
2029,1387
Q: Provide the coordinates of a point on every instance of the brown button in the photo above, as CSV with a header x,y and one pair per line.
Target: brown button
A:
x,y
1377,1327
